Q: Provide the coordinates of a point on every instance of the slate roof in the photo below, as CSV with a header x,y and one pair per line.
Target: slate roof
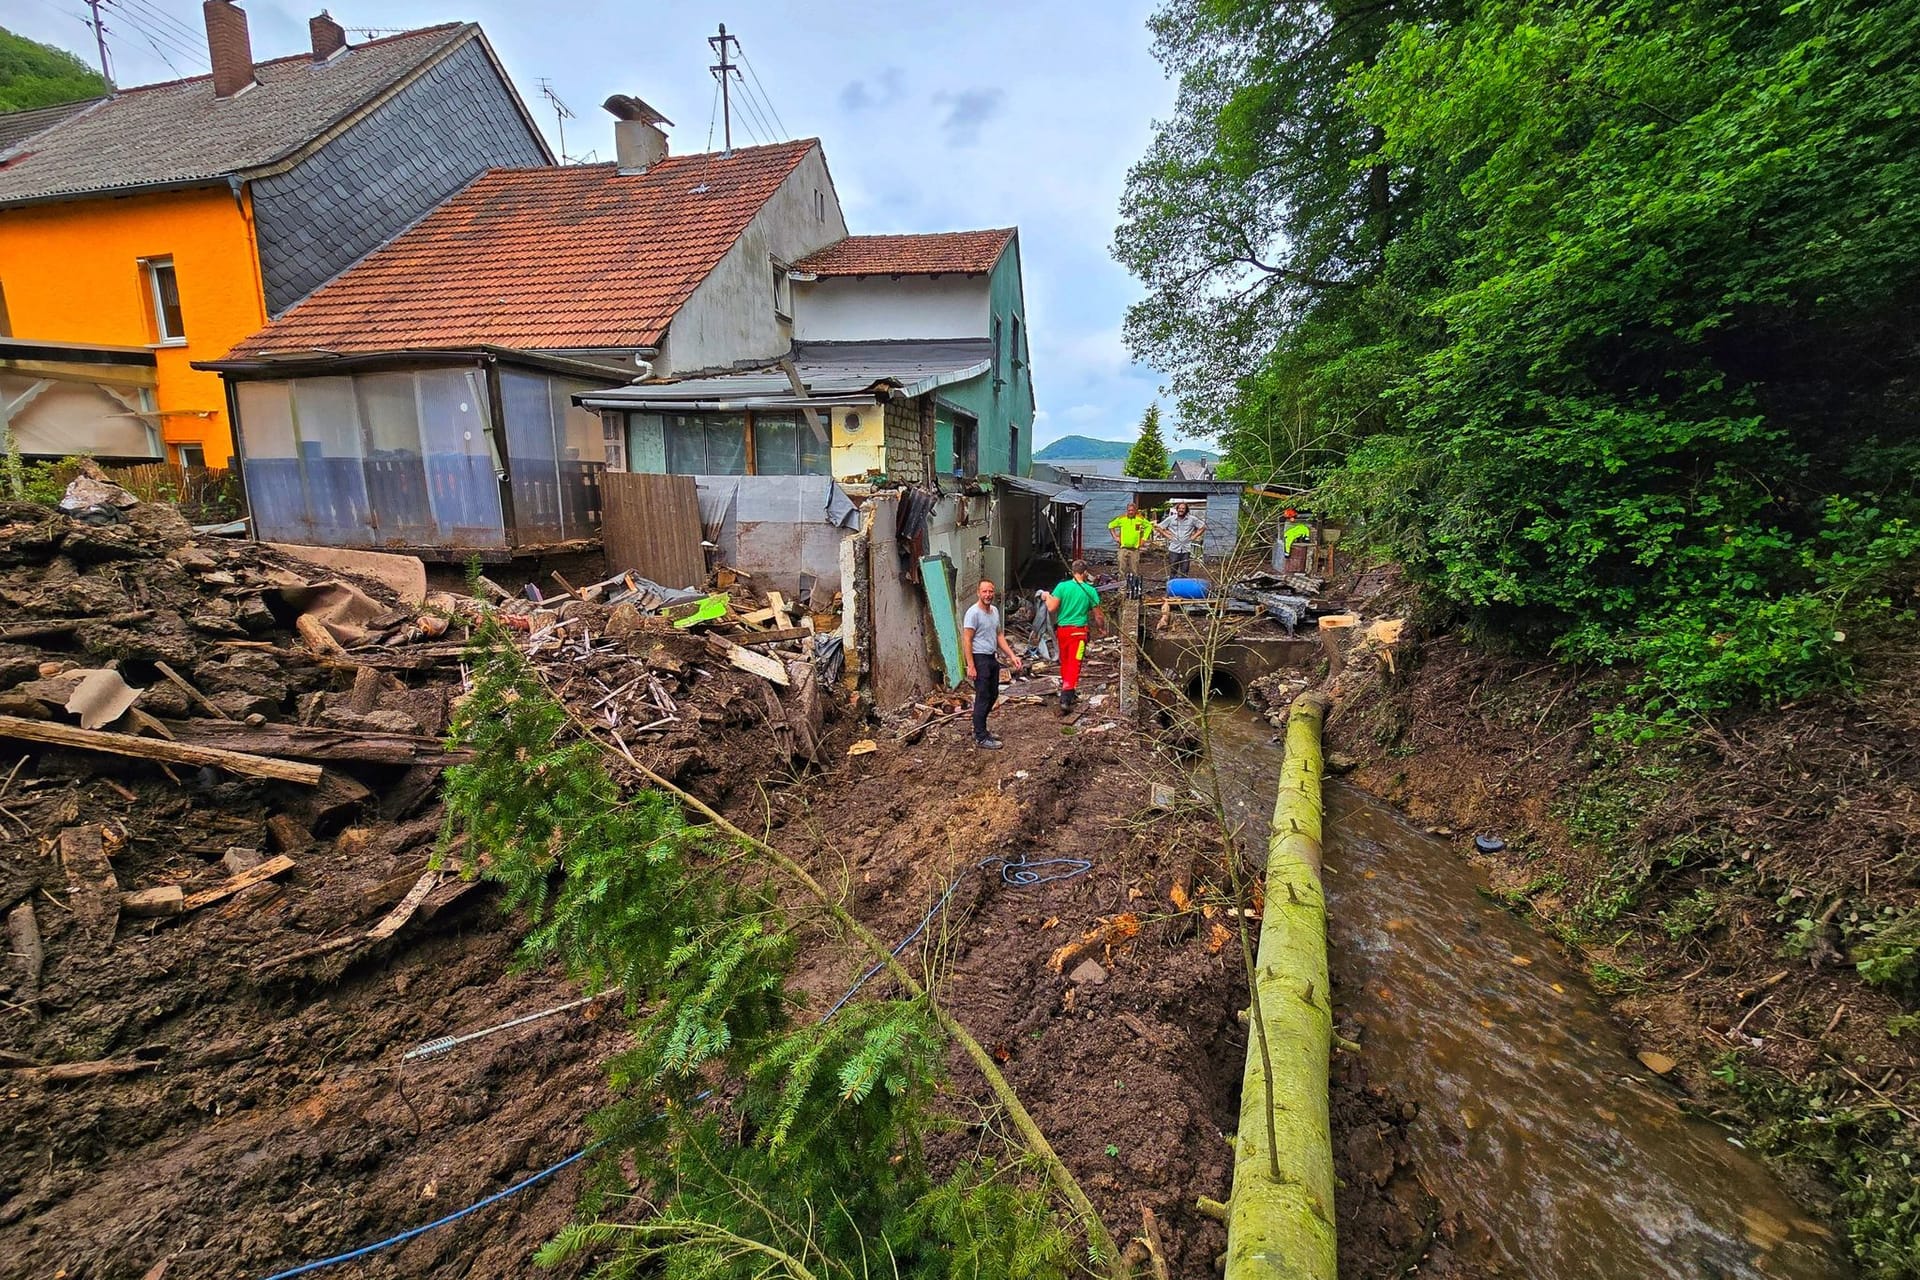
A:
x,y
830,371
935,253
178,133
17,126
543,259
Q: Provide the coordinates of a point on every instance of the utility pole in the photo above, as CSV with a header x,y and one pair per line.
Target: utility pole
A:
x,y
100,38
725,70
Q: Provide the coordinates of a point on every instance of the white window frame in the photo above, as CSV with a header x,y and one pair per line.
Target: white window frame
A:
x,y
150,268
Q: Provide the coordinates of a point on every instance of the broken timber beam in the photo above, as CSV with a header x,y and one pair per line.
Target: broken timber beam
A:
x,y
93,894
158,749
311,743
769,669
233,884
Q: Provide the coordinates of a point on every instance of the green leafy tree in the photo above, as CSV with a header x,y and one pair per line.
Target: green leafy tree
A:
x,y
1148,460
1619,364
38,75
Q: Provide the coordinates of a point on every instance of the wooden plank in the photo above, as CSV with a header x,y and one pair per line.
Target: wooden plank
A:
x,y
770,669
167,900
233,884
650,525
772,637
125,744
23,939
780,614
92,892
66,1072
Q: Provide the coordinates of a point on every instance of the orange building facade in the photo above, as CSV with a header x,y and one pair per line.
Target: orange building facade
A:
x,y
97,272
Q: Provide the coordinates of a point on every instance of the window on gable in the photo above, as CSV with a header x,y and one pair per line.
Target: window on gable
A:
x,y
1019,346
819,205
998,365
782,292
163,300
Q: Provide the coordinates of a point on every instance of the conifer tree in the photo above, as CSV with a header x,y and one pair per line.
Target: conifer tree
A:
x,y
1148,459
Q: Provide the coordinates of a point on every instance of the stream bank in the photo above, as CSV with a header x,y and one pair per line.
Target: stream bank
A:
x,y
1722,891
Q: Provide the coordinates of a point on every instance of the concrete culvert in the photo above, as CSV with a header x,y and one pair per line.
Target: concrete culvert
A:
x,y
1218,684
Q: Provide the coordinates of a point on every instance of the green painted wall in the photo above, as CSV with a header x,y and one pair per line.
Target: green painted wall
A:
x,y
1002,400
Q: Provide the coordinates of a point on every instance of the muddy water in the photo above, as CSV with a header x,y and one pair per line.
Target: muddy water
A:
x,y
1535,1120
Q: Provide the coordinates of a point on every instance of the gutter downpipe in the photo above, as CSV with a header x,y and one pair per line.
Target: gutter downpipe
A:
x,y
1282,1229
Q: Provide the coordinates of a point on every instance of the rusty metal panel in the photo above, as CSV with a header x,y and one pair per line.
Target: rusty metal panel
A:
x,y
650,525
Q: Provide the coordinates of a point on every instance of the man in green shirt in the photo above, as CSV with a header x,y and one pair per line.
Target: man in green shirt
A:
x,y
1131,533
1073,602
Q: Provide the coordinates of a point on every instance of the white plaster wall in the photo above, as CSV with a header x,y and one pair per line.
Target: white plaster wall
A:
x,y
730,318
856,308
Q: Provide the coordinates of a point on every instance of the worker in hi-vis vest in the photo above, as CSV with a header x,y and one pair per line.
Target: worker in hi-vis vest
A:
x,y
1131,533
1292,530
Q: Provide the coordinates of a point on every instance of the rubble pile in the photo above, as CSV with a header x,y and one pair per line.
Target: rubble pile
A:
x,y
220,777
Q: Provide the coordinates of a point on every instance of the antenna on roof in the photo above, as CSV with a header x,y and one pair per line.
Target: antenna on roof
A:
x,y
561,114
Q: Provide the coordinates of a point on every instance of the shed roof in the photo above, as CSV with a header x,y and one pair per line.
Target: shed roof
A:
x,y
17,126
178,133
571,258
831,372
934,253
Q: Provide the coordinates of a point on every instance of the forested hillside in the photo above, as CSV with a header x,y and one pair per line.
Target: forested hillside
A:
x,y
38,75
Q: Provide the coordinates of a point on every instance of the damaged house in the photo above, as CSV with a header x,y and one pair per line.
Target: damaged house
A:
x,y
424,401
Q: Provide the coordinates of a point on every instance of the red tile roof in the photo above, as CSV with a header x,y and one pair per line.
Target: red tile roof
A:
x,y
936,253
543,259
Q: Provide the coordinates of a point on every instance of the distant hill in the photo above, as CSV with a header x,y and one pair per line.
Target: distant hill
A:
x,y
1085,448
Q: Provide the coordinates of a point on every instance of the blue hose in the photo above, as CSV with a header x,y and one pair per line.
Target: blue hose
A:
x,y
1020,874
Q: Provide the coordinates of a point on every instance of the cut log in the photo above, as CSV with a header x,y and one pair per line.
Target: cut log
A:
x,y
233,884
158,749
23,939
167,900
92,892
1332,627
318,638
367,687
287,834
1282,1204
302,742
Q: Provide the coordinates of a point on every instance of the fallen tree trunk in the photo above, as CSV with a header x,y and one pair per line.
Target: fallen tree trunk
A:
x,y
1281,1216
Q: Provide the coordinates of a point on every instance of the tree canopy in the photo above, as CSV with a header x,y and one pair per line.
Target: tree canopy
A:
x,y
1600,315
38,75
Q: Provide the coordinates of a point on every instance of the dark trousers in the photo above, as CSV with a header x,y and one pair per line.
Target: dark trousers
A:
x,y
1179,564
986,691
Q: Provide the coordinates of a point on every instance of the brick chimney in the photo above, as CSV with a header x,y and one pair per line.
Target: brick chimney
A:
x,y
228,46
639,142
329,37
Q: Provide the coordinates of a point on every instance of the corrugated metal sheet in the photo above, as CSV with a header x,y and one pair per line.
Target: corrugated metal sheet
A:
x,y
650,525
828,370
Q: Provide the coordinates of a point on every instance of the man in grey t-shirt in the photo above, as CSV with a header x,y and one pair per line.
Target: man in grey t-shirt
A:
x,y
1183,532
983,640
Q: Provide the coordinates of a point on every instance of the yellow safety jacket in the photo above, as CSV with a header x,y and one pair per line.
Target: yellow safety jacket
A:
x,y
1134,530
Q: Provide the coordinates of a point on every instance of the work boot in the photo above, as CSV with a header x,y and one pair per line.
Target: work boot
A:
x,y
986,744
1067,698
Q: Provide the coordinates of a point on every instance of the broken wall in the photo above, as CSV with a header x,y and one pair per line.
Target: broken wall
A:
x,y
897,615
777,528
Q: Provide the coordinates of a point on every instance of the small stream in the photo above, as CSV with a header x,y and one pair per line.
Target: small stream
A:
x,y
1535,1120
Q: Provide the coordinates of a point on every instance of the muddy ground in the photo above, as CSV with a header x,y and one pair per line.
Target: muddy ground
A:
x,y
266,1115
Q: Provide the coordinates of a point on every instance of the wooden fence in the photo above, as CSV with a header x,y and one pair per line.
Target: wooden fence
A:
x,y
650,525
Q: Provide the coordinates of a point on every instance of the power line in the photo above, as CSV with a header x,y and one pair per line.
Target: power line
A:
x,y
165,19
753,107
724,72
157,36
784,132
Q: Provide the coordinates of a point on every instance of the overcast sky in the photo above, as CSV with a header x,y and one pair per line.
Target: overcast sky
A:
x,y
935,116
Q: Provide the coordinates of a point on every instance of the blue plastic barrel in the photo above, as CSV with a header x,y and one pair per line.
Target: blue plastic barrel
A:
x,y
1187,588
